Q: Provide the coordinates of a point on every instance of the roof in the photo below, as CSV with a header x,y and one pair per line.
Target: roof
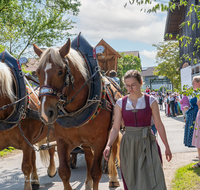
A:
x,y
147,72
32,64
135,53
102,42
173,21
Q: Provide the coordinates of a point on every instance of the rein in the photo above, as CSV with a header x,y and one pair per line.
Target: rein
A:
x,y
97,70
89,102
11,104
47,90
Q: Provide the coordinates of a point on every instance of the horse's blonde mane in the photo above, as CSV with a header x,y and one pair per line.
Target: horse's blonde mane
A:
x,y
6,82
75,57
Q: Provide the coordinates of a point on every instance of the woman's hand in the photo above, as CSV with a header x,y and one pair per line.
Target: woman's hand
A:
x,y
106,153
168,154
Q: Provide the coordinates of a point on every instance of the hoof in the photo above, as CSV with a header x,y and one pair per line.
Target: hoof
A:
x,y
35,186
114,184
52,175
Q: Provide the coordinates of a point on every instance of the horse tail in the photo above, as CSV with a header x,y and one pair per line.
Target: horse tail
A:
x,y
113,163
44,154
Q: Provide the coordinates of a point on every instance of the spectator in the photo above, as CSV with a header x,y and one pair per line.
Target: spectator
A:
x,y
172,105
196,133
153,93
148,91
153,127
160,102
167,105
184,103
113,75
176,104
190,118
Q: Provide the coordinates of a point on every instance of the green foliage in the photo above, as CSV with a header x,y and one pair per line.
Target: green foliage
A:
x,y
161,88
172,5
168,62
186,178
24,70
189,91
1,48
44,22
125,63
6,151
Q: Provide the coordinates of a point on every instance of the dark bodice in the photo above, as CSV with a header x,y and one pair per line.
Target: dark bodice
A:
x,y
137,117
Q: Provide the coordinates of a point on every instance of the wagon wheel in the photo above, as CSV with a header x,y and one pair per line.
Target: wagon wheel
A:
x,y
73,160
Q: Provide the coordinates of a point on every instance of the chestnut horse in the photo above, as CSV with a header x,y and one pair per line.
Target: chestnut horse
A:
x,y
34,130
52,75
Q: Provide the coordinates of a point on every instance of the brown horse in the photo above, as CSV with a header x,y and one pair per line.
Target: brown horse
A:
x,y
52,75
34,130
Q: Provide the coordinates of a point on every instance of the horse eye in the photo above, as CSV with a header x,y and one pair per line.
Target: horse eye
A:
x,y
60,73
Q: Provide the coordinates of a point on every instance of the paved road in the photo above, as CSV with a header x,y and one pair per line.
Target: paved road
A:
x,y
12,177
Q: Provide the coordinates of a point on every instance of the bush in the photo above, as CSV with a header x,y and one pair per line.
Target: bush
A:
x,y
162,87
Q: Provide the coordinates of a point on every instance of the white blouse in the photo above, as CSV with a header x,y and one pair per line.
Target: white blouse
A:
x,y
141,103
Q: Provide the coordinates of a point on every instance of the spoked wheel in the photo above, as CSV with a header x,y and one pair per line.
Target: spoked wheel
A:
x,y
73,160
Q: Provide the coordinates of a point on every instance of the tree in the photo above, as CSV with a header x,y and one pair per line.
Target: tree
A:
x,y
125,63
23,22
172,5
168,62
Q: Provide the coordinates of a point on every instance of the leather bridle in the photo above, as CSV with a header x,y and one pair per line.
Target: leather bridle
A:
x,y
47,90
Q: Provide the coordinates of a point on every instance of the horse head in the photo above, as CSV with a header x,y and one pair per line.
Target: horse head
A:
x,y
61,73
7,94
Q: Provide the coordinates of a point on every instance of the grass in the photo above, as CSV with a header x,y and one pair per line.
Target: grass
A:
x,y
187,178
6,151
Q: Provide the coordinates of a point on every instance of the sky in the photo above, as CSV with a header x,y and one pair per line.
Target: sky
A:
x,y
124,29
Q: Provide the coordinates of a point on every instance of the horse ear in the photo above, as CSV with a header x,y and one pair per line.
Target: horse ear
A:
x,y
37,50
65,49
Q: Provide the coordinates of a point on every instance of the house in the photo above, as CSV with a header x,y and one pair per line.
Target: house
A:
x,y
32,64
154,82
135,53
174,18
109,59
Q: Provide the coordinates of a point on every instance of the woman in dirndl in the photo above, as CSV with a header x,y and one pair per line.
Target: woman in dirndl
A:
x,y
196,133
190,114
141,166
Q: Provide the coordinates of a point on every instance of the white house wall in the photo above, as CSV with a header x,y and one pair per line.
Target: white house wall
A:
x,y
186,76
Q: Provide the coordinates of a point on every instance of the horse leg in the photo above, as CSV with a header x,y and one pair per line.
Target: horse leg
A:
x,y
34,177
113,175
96,171
64,169
27,166
89,160
52,171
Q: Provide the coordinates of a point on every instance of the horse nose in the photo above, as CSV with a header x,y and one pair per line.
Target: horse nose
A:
x,y
50,113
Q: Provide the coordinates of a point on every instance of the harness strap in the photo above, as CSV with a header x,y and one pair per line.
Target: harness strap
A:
x,y
115,85
110,96
33,114
39,134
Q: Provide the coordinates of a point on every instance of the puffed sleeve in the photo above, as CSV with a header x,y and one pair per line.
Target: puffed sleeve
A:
x,y
119,102
151,100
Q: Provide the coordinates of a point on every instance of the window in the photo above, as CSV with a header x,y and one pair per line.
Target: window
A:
x,y
192,71
197,69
